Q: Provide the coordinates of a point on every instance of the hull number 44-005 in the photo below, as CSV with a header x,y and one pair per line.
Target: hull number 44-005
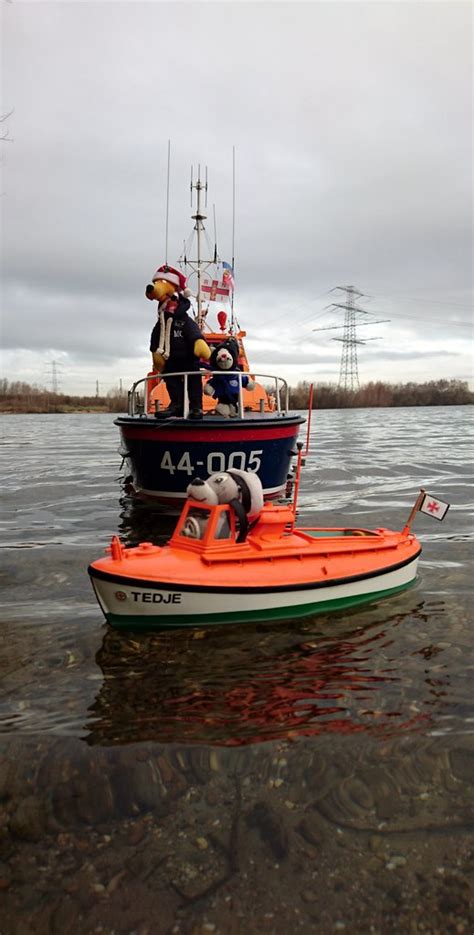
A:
x,y
216,461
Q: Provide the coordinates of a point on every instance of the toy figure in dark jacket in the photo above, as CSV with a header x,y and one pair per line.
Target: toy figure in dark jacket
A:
x,y
225,386
176,341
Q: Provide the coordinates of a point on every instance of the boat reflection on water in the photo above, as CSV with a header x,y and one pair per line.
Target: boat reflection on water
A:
x,y
144,521
246,685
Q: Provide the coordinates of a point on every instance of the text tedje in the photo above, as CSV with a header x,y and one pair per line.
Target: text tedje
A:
x,y
154,597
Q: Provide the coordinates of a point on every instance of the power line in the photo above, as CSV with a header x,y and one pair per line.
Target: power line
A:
x,y
289,310
310,318
408,298
421,318
435,321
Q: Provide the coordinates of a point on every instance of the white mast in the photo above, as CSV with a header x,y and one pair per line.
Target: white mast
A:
x,y
199,265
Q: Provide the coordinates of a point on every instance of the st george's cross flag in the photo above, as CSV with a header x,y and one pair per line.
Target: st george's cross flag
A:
x,y
215,290
434,507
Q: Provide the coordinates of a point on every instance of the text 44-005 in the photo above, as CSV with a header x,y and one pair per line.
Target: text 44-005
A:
x,y
214,463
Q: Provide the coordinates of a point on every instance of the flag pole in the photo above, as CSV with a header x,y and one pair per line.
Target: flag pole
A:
x,y
414,511
299,464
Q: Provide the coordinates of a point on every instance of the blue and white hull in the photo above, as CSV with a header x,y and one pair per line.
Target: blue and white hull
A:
x,y
164,455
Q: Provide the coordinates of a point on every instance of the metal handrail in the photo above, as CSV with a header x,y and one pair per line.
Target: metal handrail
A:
x,y
281,388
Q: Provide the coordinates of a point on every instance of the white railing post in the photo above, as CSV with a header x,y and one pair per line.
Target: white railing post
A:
x,y
185,398
241,398
281,387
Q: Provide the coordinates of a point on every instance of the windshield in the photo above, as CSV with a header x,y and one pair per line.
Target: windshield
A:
x,y
195,524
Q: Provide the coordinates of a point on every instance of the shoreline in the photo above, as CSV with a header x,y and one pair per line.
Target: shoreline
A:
x,y
101,410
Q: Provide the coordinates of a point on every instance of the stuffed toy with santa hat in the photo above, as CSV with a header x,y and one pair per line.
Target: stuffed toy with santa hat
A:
x,y
241,489
224,386
176,341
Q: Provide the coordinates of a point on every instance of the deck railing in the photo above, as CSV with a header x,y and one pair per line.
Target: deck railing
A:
x,y
280,392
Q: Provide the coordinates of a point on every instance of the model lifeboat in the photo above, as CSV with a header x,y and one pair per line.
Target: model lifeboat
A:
x,y
255,430
219,568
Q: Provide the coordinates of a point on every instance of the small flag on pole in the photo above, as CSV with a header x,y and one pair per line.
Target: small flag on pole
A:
x,y
228,275
433,507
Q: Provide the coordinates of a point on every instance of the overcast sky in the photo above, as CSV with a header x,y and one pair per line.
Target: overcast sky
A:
x,y
352,126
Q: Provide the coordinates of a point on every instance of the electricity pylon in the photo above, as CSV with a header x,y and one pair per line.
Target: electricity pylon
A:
x,y
54,376
349,371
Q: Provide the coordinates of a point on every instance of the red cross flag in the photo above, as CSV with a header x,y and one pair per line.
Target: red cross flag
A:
x,y
215,290
434,507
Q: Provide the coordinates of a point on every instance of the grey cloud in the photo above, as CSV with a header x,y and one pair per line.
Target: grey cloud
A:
x,y
353,162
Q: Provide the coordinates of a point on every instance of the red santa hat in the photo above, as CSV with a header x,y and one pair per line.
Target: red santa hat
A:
x,y
174,276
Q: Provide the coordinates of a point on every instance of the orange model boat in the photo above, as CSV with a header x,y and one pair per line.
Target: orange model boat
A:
x,y
214,569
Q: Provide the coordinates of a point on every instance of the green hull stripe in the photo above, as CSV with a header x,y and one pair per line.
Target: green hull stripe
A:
x,y
276,613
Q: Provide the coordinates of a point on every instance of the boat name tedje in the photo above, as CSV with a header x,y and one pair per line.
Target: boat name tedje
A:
x,y
147,597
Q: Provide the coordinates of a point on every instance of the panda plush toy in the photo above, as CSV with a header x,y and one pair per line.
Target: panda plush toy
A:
x,y
224,386
241,489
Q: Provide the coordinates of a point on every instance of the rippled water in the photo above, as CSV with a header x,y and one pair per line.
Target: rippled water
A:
x,y
146,778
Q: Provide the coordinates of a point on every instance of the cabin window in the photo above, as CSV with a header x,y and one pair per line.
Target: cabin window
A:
x,y
223,528
195,524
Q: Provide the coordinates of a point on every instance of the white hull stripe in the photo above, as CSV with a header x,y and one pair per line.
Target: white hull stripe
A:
x,y
231,589
125,599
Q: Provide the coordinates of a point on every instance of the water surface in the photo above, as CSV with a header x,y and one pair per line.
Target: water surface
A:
x,y
314,773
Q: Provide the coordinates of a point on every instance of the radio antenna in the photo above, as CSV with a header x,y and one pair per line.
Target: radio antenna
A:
x,y
215,231
233,238
167,201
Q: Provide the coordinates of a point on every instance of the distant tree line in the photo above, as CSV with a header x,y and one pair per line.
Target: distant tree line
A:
x,y
21,397
433,393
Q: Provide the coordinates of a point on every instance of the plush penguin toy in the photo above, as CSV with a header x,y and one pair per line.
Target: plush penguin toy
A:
x,y
224,386
241,489
176,341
